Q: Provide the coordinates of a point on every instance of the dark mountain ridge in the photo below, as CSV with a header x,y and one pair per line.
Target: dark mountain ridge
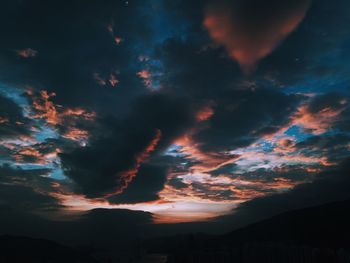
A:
x,y
317,235
325,225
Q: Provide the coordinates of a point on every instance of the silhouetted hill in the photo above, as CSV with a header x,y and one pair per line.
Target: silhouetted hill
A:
x,y
326,225
23,249
312,235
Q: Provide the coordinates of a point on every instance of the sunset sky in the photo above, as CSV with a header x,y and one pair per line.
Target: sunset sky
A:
x,y
184,111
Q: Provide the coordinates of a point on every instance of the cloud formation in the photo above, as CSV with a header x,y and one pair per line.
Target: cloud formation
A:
x,y
251,30
118,107
26,191
112,160
330,186
12,121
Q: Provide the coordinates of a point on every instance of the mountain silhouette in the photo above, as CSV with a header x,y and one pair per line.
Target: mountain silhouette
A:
x,y
317,234
325,225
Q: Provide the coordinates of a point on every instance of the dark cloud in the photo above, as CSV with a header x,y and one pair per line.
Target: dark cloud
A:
x,y
8,172
26,190
22,198
242,117
149,180
111,162
342,123
12,122
334,101
197,72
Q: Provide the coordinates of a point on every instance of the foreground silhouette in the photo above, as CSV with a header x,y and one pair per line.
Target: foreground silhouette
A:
x,y
24,249
316,235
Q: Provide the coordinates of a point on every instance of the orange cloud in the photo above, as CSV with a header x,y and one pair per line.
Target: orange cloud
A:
x,y
79,112
33,154
250,30
146,76
76,134
46,108
117,39
29,151
162,211
285,145
208,161
112,79
317,122
55,114
205,114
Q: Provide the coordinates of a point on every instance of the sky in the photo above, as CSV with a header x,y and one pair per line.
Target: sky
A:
x,y
170,116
